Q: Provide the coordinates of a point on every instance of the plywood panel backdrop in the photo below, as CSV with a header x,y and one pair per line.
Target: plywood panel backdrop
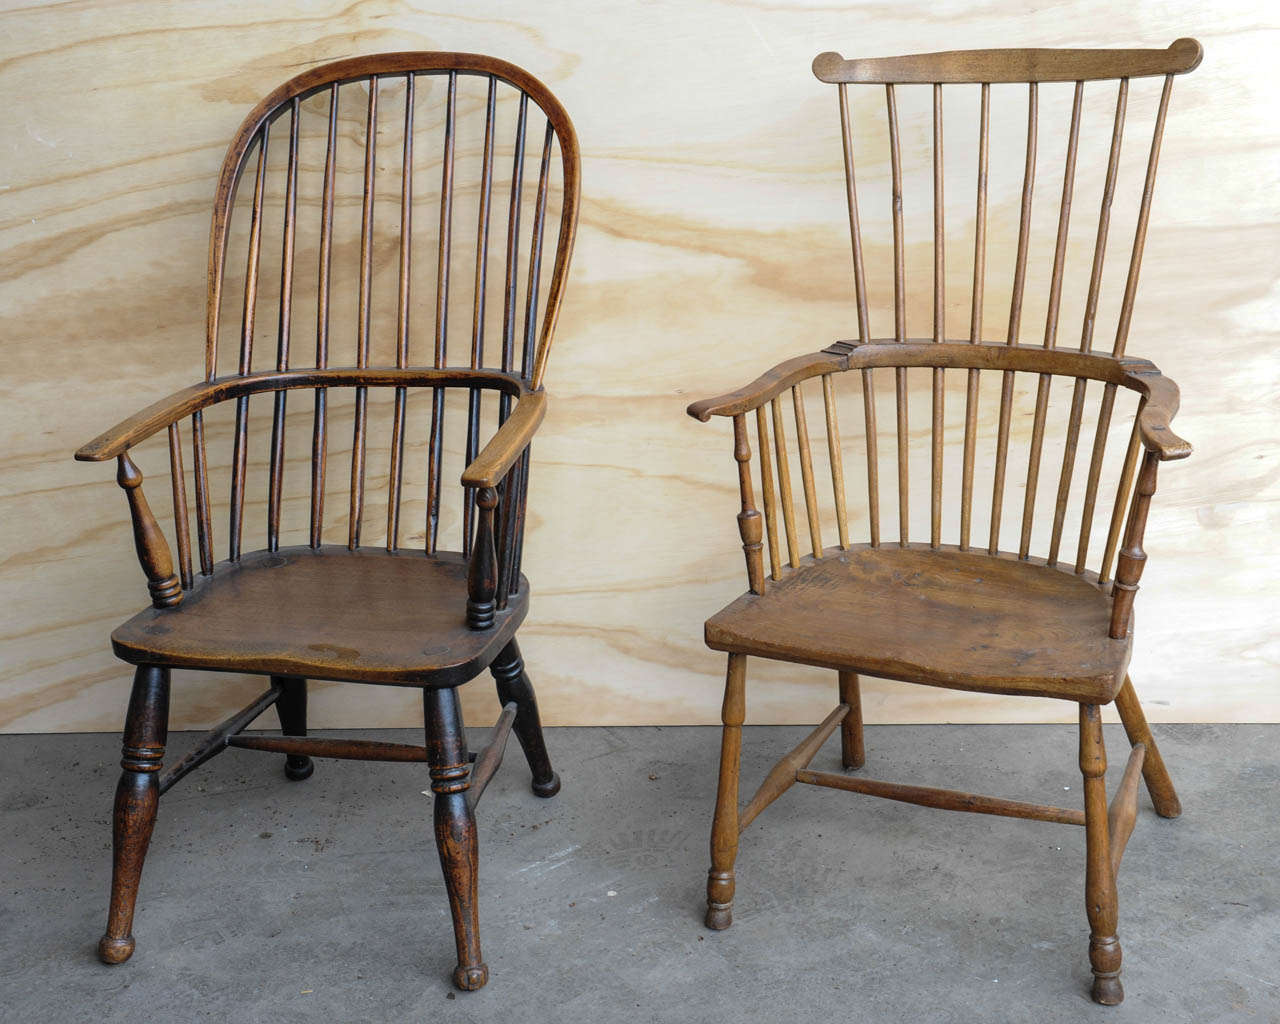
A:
x,y
713,244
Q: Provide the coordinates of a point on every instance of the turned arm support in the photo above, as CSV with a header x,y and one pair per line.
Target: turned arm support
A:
x,y
153,549
1132,558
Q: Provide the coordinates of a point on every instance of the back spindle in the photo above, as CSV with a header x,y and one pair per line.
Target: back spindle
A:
x,y
939,325
276,480
181,524
435,457
396,475
768,494
806,471
784,484
835,455
1015,319
319,431
975,321
363,314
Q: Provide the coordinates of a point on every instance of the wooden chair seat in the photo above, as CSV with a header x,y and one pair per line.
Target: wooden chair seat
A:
x,y
363,616
945,617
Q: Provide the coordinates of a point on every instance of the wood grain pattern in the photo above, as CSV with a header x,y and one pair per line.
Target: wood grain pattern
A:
x,y
714,241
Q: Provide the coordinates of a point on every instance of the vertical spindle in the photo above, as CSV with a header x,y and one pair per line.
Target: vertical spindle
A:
x,y
899,310
1144,215
806,471
784,484
181,523
1015,319
478,307
939,324
319,432
200,468
768,494
835,455
975,321
1122,497
402,318
275,491
873,455
363,314
855,231
435,463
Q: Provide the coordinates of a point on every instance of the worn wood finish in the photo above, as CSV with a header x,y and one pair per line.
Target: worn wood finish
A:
x,y
1027,621
944,617
370,610
326,613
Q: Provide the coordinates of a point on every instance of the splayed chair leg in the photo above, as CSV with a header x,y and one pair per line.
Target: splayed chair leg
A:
x,y
724,827
1100,879
1154,772
455,827
291,706
513,685
137,796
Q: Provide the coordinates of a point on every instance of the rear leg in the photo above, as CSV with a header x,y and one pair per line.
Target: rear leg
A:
x,y
513,685
291,706
1154,773
853,753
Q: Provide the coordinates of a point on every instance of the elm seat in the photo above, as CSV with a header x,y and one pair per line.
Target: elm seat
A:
x,y
877,611
368,616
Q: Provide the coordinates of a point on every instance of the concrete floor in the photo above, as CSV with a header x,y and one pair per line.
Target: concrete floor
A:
x,y
265,900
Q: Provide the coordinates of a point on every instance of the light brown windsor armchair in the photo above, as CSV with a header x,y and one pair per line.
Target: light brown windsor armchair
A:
x,y
993,616
404,611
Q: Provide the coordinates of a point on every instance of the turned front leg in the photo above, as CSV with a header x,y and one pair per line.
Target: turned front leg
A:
x,y
1100,880
513,685
724,828
137,796
455,828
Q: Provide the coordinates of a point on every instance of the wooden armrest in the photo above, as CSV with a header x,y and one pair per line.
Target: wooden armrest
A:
x,y
769,385
1158,411
508,444
157,416
141,425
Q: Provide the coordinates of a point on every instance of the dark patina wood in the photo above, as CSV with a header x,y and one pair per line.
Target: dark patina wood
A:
x,y
339,607
944,612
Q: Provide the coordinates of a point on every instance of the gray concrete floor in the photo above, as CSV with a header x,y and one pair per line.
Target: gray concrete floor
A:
x,y
265,900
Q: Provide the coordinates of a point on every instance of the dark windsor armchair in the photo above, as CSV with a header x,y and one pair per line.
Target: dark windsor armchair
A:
x,y
979,614
335,606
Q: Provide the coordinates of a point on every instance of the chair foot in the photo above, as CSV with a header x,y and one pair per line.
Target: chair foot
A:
x,y
513,685
548,788
468,979
137,797
298,767
719,899
115,951
1107,990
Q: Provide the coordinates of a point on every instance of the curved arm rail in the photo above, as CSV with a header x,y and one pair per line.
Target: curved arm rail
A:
x,y
159,415
1138,375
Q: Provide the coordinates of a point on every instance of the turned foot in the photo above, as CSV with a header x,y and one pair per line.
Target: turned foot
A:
x,y
548,788
468,979
115,951
1107,991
